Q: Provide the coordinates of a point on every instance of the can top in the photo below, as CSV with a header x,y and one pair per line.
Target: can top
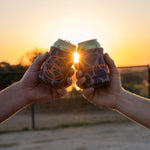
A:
x,y
64,45
89,44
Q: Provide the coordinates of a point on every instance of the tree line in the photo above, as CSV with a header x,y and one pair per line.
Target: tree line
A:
x,y
11,73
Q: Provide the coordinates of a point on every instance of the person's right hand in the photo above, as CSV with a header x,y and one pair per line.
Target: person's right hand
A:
x,y
105,97
37,91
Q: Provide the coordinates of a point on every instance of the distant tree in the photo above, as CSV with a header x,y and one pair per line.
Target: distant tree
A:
x,y
12,73
5,66
30,56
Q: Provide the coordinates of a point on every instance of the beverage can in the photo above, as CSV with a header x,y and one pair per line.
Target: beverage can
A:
x,y
58,63
92,64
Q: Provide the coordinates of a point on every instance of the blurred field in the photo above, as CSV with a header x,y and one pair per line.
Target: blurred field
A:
x,y
110,136
45,120
72,123
73,108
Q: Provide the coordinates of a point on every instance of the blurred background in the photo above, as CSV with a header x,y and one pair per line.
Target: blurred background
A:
x,y
122,27
28,29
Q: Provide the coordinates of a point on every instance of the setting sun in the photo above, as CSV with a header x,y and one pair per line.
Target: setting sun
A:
x,y
76,57
121,27
76,60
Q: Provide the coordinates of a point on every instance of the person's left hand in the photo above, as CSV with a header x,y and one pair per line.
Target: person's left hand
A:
x,y
35,90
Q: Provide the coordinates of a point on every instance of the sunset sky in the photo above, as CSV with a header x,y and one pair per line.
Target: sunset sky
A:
x,y
121,26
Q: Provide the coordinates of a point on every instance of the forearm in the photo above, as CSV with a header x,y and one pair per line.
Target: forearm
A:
x,y
134,107
12,99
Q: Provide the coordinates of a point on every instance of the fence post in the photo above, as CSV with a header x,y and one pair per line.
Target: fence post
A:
x,y
148,81
33,116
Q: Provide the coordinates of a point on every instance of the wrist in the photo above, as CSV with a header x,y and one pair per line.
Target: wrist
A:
x,y
22,93
120,98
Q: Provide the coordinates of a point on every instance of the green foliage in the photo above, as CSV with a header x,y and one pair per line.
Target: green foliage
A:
x,y
10,73
80,124
6,67
25,129
135,81
131,87
13,73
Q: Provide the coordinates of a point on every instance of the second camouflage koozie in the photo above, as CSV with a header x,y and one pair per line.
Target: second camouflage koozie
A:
x,y
92,64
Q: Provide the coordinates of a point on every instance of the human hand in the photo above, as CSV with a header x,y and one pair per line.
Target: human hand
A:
x,y
35,90
105,97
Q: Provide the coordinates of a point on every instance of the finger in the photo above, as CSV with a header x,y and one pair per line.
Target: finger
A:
x,y
88,92
68,82
77,66
71,72
80,82
61,92
79,74
111,65
36,66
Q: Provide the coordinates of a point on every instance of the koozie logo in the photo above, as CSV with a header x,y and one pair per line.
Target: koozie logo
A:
x,y
94,67
54,68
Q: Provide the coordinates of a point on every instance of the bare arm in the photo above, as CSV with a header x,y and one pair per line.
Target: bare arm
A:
x,y
29,90
12,99
134,107
115,97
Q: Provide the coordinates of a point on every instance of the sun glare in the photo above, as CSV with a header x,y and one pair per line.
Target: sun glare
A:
x,y
76,60
77,88
76,57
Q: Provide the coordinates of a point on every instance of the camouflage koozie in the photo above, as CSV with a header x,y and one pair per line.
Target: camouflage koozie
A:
x,y
56,67
93,65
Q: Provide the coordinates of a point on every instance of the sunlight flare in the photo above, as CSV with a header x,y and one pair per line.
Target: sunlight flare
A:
x,y
76,57
77,88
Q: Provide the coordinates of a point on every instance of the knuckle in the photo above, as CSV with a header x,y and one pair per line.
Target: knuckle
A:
x,y
116,71
38,59
112,61
69,82
80,83
78,74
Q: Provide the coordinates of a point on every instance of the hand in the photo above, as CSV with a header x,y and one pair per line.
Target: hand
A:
x,y
105,97
35,90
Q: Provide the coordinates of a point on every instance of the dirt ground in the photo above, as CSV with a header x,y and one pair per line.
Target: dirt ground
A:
x,y
19,121
111,136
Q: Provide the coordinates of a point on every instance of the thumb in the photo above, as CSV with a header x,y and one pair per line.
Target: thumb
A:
x,y
88,92
111,65
36,66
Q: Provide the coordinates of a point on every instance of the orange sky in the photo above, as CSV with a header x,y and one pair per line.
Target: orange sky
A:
x,y
122,27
